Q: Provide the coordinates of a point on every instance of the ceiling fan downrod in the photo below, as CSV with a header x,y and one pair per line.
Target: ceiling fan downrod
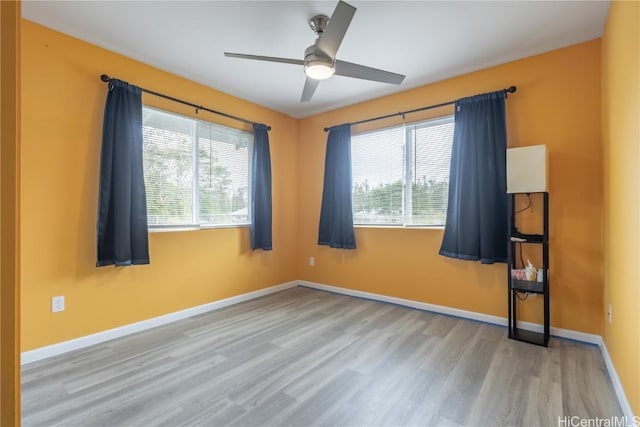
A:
x,y
318,23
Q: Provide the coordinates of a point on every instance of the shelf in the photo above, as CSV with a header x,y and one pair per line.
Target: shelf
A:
x,y
530,287
528,336
527,286
527,238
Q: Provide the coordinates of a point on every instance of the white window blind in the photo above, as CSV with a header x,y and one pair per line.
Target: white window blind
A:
x,y
196,173
377,176
223,163
400,174
430,154
168,143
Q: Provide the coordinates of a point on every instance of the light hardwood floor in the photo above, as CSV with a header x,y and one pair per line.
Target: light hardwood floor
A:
x,y
304,357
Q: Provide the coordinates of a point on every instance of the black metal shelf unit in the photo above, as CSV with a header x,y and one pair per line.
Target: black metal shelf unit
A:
x,y
525,286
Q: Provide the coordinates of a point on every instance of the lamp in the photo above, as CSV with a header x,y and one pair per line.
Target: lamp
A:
x,y
527,169
319,69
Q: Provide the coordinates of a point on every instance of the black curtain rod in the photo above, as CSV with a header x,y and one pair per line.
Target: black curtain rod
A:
x,y
107,79
511,89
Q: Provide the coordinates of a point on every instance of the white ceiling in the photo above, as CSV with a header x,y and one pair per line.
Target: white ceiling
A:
x,y
425,40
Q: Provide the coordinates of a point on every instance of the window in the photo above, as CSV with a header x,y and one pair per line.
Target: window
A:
x,y
196,173
400,175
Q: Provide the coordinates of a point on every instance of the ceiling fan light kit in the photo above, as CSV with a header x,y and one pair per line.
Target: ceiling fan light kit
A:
x,y
320,58
317,67
319,70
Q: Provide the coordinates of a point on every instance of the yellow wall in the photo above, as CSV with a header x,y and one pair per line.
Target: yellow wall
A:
x,y
557,104
621,140
63,102
10,64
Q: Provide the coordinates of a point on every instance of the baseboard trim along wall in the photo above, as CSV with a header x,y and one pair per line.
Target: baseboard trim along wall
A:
x,y
100,337
496,320
472,315
617,385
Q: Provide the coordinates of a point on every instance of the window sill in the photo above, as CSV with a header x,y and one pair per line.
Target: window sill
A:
x,y
172,229
195,228
401,227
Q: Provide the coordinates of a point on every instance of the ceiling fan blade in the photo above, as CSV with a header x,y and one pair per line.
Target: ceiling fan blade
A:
x,y
310,86
330,40
349,69
264,58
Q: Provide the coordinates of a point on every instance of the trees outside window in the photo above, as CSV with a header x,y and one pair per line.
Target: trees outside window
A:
x,y
400,175
196,172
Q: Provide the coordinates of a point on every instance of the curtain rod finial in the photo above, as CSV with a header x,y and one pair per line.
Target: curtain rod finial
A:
x,y
105,78
511,89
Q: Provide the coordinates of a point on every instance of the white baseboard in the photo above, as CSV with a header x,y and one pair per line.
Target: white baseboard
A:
x,y
100,337
617,385
480,317
496,320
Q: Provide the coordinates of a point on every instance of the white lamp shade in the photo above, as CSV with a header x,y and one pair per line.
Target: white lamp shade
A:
x,y
527,169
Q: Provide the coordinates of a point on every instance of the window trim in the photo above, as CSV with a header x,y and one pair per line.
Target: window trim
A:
x,y
166,228
400,227
406,173
172,229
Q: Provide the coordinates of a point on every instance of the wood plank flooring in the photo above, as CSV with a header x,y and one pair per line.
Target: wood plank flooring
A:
x,y
303,357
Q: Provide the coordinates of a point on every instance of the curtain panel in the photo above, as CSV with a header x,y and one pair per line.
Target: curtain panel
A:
x,y
476,227
336,216
122,205
260,203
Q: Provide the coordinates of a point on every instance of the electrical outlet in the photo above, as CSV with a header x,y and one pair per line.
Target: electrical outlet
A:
x,y
57,304
312,261
610,314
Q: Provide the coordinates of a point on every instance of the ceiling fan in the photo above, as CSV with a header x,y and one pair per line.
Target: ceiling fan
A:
x,y
320,58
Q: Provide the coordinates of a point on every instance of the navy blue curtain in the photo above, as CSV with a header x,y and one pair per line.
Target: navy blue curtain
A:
x,y
476,227
122,205
261,190
336,216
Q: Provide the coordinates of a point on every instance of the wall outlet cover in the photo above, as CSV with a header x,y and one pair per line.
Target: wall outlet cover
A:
x,y
57,304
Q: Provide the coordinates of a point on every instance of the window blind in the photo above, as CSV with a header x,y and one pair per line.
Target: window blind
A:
x,y
196,172
167,147
377,176
223,166
431,154
400,175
